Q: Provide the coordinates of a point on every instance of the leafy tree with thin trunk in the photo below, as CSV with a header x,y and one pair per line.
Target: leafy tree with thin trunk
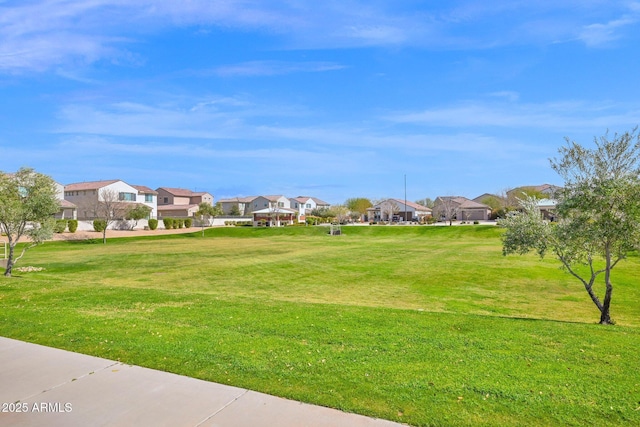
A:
x,y
136,213
388,209
340,213
205,212
446,208
109,208
28,203
358,205
598,211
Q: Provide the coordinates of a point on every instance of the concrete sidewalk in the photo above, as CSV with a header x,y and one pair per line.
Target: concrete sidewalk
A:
x,y
54,387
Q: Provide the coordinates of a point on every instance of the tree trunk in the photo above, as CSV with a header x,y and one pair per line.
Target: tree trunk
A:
x,y
7,271
605,317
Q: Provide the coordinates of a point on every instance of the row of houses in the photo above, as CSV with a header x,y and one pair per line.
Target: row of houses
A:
x,y
79,201
445,207
461,208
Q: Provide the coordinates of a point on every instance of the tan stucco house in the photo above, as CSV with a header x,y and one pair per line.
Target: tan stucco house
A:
x,y
180,202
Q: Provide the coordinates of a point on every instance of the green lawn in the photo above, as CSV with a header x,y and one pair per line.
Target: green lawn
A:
x,y
422,325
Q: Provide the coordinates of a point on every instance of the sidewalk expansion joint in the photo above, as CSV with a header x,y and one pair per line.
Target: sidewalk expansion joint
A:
x,y
223,408
71,381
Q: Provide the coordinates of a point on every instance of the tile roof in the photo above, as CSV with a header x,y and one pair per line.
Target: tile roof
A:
x,y
274,198
89,185
463,202
238,199
180,192
413,205
66,204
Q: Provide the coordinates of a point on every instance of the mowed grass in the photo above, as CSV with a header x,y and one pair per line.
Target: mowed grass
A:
x,y
430,326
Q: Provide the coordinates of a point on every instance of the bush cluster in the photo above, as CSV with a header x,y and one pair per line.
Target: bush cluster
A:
x,y
175,223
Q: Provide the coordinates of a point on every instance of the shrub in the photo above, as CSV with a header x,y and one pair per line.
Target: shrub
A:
x,y
188,222
178,223
72,224
476,222
99,224
168,223
60,226
153,224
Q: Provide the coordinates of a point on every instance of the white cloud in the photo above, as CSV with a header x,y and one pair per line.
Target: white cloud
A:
x,y
270,68
552,115
597,35
38,35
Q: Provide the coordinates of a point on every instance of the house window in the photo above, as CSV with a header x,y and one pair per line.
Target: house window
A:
x,y
166,200
148,197
128,197
308,205
281,204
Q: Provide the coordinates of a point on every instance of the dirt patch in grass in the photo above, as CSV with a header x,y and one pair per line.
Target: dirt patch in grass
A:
x,y
85,235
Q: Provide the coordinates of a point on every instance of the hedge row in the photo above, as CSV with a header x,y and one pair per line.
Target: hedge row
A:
x,y
174,223
239,223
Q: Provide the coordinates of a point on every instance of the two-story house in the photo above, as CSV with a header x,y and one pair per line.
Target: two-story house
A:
x,y
180,202
305,204
88,196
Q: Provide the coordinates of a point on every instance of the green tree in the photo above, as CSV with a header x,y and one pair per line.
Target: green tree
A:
x,y
28,203
497,204
323,213
137,212
234,211
426,202
207,211
598,211
358,205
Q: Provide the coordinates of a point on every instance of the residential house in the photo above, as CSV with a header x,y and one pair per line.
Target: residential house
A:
x,y
262,202
397,210
180,202
460,208
240,205
88,196
305,204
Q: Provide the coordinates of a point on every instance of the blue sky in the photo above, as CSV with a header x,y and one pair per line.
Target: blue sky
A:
x,y
332,99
